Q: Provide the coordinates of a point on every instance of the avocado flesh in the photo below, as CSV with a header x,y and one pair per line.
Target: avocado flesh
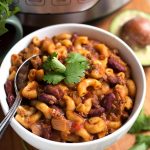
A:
x,y
142,53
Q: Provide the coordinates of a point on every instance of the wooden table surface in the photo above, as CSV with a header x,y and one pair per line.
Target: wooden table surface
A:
x,y
11,141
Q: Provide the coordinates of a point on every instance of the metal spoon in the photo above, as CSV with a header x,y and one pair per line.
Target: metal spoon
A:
x,y
22,71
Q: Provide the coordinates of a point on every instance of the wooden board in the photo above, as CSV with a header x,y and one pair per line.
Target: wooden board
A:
x,y
11,141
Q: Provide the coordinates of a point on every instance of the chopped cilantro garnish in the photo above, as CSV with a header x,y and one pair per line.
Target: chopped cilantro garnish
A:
x,y
57,66
52,63
75,57
47,64
75,68
53,77
76,64
74,72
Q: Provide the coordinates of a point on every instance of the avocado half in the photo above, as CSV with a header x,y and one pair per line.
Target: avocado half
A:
x,y
143,54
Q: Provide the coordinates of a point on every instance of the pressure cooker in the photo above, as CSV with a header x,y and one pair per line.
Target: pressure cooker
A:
x,y
39,13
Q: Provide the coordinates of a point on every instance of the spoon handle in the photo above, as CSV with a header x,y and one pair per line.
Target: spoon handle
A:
x,y
6,121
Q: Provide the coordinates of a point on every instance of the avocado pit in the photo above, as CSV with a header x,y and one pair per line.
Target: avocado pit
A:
x,y
136,32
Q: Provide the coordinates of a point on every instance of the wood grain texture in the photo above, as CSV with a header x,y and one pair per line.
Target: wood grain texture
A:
x,y
11,141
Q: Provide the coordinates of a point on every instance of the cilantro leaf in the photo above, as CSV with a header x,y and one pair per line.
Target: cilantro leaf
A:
x,y
47,64
75,68
53,77
52,63
74,72
57,66
54,54
75,57
85,65
139,146
141,124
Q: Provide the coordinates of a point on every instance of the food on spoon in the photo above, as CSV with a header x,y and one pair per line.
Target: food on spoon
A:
x,y
134,28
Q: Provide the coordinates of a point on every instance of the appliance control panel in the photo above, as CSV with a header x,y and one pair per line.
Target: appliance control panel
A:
x,y
54,6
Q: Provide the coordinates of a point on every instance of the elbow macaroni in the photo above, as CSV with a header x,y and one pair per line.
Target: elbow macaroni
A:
x,y
70,105
85,107
30,90
103,50
84,84
95,125
27,116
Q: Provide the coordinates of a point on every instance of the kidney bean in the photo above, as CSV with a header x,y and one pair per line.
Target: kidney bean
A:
x,y
89,47
115,80
10,93
96,111
47,98
116,64
112,79
107,101
74,37
70,48
54,90
10,100
9,87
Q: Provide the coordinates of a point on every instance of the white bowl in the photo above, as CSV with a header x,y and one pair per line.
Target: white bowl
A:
x,y
94,33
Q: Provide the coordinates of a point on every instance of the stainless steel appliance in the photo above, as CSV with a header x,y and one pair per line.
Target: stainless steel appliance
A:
x,y
39,13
